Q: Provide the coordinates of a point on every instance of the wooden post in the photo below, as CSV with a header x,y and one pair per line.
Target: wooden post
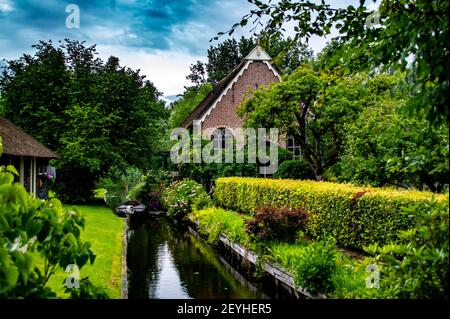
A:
x,y
21,171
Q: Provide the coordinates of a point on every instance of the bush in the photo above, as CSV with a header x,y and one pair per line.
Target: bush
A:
x,y
315,267
179,197
150,189
30,227
373,216
418,265
276,223
294,169
118,184
207,173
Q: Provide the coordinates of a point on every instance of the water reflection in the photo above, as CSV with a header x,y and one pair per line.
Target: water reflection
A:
x,y
165,261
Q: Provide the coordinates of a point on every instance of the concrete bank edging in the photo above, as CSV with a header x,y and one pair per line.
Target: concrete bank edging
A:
x,y
124,280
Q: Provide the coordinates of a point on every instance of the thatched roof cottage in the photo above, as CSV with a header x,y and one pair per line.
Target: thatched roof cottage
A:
x,y
28,156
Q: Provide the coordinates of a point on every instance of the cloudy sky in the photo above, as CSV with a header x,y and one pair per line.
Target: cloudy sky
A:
x,y
159,37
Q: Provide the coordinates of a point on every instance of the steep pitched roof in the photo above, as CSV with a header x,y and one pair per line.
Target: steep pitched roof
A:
x,y
17,142
212,96
257,54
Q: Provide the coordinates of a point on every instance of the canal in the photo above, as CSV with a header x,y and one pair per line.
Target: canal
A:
x,y
167,261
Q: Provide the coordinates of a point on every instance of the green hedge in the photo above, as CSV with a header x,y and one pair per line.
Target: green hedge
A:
x,y
354,216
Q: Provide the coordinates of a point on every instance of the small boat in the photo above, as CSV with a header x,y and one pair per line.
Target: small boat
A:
x,y
130,208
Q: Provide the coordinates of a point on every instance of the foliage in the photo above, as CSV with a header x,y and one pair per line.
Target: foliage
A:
x,y
418,265
353,216
284,155
31,226
179,197
315,107
95,114
411,36
202,201
294,169
151,188
207,173
224,57
213,221
119,184
187,102
271,223
329,269
386,147
313,265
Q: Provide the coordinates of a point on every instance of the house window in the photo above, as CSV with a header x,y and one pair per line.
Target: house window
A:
x,y
220,136
293,145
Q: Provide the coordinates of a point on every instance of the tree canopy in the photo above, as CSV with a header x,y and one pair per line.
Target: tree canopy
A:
x,y
187,102
410,36
95,114
352,128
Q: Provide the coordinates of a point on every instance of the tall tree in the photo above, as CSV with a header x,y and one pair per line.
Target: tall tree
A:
x,y
187,102
411,36
314,107
96,115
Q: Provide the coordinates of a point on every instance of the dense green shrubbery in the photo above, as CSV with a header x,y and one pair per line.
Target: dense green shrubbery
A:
x,y
30,227
118,185
418,265
312,264
150,188
354,216
320,268
294,169
271,223
179,197
207,173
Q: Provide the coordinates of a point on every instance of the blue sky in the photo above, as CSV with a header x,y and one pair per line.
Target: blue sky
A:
x,y
159,37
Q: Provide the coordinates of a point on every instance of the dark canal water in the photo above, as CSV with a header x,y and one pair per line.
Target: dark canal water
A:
x,y
166,261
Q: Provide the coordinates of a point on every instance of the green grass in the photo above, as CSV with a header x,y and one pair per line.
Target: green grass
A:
x,y
348,279
104,231
215,221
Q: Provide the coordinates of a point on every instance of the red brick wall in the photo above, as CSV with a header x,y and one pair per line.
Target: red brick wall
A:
x,y
224,114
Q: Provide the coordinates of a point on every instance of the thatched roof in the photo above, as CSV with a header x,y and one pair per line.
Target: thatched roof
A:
x,y
17,142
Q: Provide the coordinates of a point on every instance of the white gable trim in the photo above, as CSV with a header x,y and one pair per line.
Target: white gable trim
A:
x,y
224,92
275,72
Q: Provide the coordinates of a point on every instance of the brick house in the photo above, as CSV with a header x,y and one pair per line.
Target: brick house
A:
x,y
217,111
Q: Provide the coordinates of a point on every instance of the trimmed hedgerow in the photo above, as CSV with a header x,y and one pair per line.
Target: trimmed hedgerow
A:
x,y
354,216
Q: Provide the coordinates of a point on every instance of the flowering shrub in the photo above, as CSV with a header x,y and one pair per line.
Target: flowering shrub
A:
x,y
154,183
179,197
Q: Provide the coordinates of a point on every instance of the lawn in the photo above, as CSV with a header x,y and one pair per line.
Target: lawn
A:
x,y
104,230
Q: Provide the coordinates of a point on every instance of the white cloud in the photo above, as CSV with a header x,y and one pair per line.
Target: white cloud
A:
x,y
166,69
6,6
